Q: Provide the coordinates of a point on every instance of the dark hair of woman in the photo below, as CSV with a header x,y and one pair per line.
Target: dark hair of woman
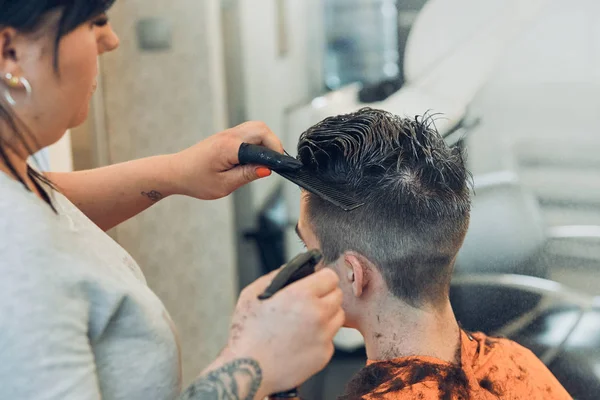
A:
x,y
30,16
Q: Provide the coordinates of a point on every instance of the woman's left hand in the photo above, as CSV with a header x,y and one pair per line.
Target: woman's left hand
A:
x,y
210,170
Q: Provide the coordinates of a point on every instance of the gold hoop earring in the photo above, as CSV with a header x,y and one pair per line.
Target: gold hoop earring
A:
x,y
15,82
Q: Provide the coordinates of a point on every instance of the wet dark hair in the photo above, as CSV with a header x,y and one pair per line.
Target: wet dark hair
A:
x,y
416,194
27,16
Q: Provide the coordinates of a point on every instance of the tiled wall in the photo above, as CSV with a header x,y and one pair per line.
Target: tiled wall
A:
x,y
160,102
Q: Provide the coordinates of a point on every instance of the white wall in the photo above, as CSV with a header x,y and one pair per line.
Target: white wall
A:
x,y
263,84
158,102
562,46
547,89
60,155
56,158
274,83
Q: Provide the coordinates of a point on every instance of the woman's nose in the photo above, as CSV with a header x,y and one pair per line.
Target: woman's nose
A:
x,y
108,40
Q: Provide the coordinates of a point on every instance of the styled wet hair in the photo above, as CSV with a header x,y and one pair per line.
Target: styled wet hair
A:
x,y
416,194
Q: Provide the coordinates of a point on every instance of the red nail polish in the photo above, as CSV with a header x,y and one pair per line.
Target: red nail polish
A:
x,y
263,172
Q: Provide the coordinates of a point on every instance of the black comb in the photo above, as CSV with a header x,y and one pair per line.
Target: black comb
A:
x,y
294,171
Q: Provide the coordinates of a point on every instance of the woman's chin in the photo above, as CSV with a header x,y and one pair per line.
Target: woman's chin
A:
x,y
80,118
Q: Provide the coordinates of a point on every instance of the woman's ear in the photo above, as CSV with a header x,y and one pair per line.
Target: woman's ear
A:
x,y
12,79
8,52
356,272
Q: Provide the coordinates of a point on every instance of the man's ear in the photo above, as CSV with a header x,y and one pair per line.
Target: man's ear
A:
x,y
356,272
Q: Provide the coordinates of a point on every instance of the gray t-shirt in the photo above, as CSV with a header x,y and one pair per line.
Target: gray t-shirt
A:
x,y
77,320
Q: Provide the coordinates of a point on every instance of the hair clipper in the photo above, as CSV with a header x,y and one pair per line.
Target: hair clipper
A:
x,y
300,267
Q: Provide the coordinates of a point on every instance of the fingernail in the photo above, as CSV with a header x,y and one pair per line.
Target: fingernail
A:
x,y
263,172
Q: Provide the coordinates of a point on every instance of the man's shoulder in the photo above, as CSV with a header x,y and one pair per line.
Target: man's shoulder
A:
x,y
423,390
491,368
409,378
503,348
504,367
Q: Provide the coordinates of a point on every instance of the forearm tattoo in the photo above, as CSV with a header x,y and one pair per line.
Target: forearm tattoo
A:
x,y
237,380
153,195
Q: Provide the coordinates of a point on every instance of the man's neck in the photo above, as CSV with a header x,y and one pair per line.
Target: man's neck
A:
x,y
392,329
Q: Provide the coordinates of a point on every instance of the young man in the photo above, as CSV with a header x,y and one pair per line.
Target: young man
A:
x,y
395,256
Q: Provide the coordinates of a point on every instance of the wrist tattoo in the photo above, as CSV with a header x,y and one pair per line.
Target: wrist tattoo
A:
x,y
236,380
153,195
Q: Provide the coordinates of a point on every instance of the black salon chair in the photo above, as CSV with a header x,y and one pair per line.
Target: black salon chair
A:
x,y
562,328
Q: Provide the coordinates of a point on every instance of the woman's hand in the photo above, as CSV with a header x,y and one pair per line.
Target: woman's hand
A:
x,y
210,170
276,344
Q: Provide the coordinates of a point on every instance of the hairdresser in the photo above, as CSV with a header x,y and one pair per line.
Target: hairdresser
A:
x,y
77,320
